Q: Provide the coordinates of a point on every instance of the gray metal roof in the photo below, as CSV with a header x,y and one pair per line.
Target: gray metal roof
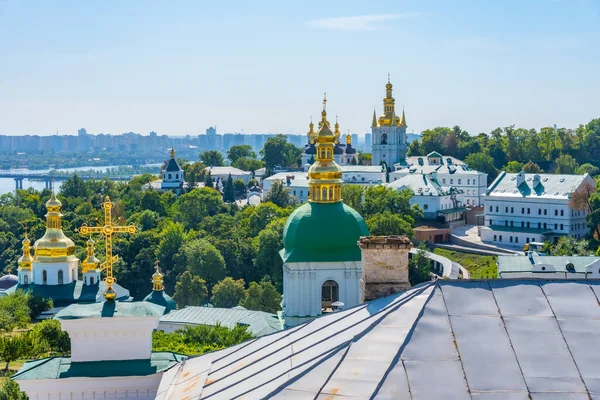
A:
x,y
259,323
497,339
422,185
555,186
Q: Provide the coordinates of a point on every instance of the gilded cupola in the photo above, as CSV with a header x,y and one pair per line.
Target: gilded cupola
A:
x,y
25,260
91,262
311,132
324,175
157,280
54,245
389,117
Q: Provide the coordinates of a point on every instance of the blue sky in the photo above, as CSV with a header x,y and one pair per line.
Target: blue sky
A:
x,y
177,67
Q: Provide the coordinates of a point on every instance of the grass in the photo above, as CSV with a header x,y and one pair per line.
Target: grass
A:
x,y
479,267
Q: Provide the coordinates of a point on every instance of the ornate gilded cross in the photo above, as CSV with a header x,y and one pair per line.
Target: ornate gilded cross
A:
x,y
108,230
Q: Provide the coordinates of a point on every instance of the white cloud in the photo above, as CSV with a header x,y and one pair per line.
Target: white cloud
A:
x,y
358,23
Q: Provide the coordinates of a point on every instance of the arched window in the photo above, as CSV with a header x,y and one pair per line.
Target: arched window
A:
x,y
324,193
26,280
330,194
44,277
169,176
176,176
329,294
384,138
60,277
91,280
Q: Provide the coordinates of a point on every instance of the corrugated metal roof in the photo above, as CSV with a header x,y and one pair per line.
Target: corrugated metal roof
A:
x,y
259,323
420,185
550,185
498,339
518,263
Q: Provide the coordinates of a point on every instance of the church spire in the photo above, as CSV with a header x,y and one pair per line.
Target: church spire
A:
x,y
172,153
26,260
90,263
374,122
324,175
311,132
157,280
403,120
389,107
336,131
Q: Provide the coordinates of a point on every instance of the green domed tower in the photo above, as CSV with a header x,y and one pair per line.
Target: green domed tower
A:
x,y
158,295
322,260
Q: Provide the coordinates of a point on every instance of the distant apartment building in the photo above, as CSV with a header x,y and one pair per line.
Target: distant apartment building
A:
x,y
523,208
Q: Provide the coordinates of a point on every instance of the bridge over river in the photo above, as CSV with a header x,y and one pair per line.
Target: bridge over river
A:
x,y
48,177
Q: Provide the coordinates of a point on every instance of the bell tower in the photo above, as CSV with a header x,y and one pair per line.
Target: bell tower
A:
x,y
389,132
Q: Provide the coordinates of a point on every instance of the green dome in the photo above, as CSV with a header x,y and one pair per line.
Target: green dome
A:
x,y
323,232
159,297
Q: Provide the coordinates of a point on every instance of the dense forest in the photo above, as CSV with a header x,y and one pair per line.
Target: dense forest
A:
x,y
512,149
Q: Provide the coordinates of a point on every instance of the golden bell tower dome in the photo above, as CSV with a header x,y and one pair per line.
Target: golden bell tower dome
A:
x,y
25,260
54,245
325,176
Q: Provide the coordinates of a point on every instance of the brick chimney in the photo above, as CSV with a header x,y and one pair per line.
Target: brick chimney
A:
x,y
384,266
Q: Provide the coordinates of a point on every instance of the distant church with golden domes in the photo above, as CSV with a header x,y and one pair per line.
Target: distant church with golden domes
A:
x,y
389,133
53,269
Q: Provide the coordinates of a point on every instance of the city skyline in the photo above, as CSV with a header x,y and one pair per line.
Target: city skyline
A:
x,y
148,66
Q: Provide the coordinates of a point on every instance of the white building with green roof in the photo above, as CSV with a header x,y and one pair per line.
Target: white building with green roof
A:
x,y
111,355
321,257
523,208
450,171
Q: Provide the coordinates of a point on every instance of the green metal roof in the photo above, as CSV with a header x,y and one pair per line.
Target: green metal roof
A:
x,y
557,186
74,292
323,232
62,367
259,323
518,263
160,298
107,309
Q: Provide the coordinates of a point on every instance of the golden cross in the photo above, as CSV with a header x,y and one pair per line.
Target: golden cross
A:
x,y
108,230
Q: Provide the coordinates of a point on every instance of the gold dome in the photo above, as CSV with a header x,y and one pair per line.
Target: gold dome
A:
x,y
54,245
25,260
90,263
157,279
324,175
53,203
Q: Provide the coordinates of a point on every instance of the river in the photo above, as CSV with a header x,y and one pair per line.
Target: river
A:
x,y
7,185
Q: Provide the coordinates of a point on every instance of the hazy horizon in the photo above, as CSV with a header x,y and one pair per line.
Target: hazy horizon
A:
x,y
178,68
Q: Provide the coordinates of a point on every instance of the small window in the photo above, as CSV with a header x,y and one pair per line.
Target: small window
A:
x,y
512,210
562,213
459,181
491,209
545,211
555,226
425,206
496,208
539,211
529,211
528,225
91,280
26,280
526,240
500,238
522,210
506,210
495,238
451,181
505,223
444,181
555,213
60,277
176,176
169,176
510,239
44,277
561,227
545,226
